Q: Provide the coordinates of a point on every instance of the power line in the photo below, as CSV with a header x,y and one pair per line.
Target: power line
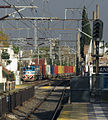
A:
x,y
28,20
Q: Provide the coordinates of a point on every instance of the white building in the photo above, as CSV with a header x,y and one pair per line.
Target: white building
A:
x,y
13,66
14,60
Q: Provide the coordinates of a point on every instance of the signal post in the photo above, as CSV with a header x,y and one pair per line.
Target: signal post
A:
x,y
97,37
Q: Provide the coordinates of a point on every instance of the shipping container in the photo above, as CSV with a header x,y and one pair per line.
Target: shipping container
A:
x,y
55,70
74,69
48,70
60,69
71,69
66,69
52,69
41,61
42,70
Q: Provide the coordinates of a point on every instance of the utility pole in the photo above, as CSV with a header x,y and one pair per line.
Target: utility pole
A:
x,y
77,54
60,55
97,11
78,46
97,43
97,36
44,6
38,55
51,51
35,34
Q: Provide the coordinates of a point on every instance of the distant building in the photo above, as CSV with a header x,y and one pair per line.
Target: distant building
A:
x,y
90,60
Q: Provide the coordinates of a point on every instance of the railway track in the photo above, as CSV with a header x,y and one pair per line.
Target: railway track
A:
x,y
44,102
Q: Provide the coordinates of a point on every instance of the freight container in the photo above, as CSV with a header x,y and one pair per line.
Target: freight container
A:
x,y
56,70
42,71
71,69
48,70
52,69
74,69
66,69
60,69
41,61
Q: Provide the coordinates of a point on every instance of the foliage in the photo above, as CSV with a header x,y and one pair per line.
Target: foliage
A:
x,y
49,61
4,39
106,45
107,52
5,55
8,62
10,77
43,52
15,49
86,28
64,63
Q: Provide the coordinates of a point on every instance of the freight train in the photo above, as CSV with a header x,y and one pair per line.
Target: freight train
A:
x,y
42,71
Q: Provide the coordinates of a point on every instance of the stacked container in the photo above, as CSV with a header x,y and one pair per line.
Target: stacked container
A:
x,y
42,66
60,69
56,70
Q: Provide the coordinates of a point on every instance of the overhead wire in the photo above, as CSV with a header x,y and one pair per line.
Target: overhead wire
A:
x,y
44,25
46,30
38,15
33,24
28,20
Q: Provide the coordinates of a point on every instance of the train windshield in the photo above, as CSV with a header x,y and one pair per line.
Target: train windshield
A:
x,y
31,68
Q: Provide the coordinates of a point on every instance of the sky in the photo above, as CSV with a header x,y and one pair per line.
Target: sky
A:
x,y
56,8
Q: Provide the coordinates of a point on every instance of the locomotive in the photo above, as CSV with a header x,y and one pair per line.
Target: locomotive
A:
x,y
31,73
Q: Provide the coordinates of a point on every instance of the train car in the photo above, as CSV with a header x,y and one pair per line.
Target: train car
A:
x,y
62,71
31,73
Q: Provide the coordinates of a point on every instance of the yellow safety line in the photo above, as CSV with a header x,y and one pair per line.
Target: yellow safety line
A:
x,y
74,112
46,87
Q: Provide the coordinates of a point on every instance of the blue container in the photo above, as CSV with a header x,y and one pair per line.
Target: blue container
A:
x,y
52,69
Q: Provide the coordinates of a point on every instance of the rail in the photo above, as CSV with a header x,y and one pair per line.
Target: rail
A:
x,y
27,117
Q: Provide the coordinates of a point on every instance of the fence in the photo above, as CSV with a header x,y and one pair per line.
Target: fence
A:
x,y
12,99
7,86
89,89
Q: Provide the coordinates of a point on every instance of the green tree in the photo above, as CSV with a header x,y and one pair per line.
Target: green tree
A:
x,y
106,45
86,28
5,55
16,49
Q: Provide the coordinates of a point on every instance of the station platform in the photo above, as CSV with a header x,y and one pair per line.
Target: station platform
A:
x,y
84,111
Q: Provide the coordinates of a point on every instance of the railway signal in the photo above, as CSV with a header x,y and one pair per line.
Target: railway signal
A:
x,y
97,29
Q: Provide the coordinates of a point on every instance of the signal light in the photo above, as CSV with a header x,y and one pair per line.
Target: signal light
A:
x,y
97,29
